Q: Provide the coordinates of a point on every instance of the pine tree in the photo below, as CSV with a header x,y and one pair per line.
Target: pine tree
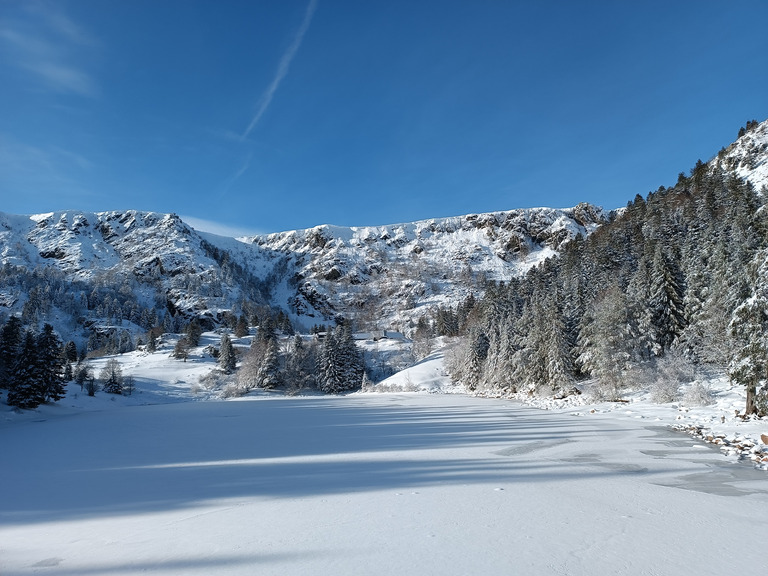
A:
x,y
605,342
181,350
227,357
26,389
340,363
749,366
70,351
11,338
269,370
50,364
193,332
241,328
665,301
297,365
112,377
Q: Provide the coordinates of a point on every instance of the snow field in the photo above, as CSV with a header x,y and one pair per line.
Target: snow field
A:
x,y
370,484
373,483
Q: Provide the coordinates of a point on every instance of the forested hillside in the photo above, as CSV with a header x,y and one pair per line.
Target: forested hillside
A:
x,y
678,281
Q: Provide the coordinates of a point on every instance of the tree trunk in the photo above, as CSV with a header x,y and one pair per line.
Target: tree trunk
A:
x,y
751,392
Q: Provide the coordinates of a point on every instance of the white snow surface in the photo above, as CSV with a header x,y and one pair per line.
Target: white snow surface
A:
x,y
748,157
372,483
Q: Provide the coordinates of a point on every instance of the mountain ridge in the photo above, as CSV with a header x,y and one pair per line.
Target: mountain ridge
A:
x,y
379,276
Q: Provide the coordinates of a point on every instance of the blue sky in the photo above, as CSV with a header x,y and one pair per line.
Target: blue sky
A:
x,y
264,116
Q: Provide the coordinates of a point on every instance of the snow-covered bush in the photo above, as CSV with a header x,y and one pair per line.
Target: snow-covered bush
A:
x,y
216,380
664,391
601,391
698,394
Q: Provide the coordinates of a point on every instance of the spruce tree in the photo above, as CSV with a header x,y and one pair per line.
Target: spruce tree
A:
x,y
70,351
112,377
269,370
241,328
26,389
50,364
666,302
227,357
11,338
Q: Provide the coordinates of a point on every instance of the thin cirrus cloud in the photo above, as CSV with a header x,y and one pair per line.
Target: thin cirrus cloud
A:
x,y
44,44
282,68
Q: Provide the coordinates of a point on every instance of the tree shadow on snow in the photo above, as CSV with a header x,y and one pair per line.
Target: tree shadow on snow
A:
x,y
154,458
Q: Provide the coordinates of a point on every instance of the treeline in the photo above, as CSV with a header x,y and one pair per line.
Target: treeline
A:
x,y
669,276
330,362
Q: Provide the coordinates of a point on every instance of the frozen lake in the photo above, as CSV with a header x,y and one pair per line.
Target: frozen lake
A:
x,y
370,484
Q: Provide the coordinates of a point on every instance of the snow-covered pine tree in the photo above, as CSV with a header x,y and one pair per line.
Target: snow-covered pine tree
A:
x,y
227,357
298,364
269,375
50,364
749,366
665,301
340,363
111,377
605,342
476,356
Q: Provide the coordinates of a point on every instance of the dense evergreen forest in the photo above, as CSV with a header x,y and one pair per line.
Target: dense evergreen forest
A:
x,y
676,281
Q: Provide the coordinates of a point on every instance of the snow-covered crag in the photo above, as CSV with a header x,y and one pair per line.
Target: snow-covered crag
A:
x,y
384,273
748,156
157,257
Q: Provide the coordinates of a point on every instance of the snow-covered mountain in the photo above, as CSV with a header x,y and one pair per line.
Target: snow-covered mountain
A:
x,y
382,273
315,274
156,259
383,276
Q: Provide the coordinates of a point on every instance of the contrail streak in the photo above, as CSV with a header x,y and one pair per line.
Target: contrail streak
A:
x,y
282,68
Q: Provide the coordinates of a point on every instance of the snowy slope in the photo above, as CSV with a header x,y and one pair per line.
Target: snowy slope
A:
x,y
748,156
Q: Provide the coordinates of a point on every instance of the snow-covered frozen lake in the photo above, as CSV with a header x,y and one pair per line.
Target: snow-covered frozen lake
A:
x,y
371,484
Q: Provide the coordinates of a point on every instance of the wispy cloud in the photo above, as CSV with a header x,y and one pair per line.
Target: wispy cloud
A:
x,y
45,43
227,184
282,68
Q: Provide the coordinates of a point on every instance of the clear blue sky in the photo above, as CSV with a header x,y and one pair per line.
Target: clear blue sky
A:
x,y
265,116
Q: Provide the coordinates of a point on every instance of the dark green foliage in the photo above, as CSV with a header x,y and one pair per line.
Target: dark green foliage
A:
x,y
10,346
49,362
241,327
70,351
26,388
36,373
227,357
193,332
676,264
340,364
